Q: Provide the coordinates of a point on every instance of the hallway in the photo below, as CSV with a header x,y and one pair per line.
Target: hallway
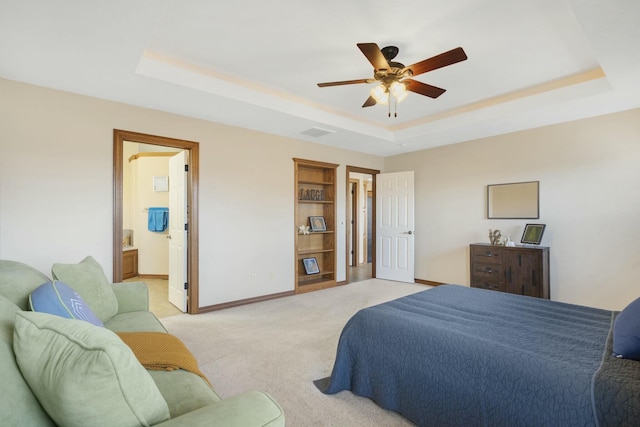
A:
x,y
360,273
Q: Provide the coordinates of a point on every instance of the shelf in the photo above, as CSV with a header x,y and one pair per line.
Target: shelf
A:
x,y
316,201
314,251
310,182
311,277
318,179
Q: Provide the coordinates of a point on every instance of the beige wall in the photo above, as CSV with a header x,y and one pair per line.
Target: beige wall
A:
x,y
56,189
589,173
56,195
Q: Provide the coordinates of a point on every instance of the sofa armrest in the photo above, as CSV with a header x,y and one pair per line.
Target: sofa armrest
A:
x,y
131,296
249,409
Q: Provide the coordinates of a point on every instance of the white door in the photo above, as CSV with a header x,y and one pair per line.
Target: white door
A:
x,y
395,226
177,233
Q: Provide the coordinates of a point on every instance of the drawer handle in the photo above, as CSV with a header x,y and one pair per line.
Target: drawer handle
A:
x,y
487,270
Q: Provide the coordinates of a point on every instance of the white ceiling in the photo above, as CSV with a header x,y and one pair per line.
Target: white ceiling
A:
x,y
255,64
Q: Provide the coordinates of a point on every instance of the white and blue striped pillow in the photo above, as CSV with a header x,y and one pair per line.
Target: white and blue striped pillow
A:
x,y
58,298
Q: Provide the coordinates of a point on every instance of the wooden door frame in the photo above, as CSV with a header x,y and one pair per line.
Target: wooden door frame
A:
x,y
373,173
355,236
365,249
119,138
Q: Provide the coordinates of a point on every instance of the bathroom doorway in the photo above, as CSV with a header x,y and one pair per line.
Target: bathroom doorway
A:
x,y
125,143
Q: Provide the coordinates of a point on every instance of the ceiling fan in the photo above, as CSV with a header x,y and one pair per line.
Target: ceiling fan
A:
x,y
394,78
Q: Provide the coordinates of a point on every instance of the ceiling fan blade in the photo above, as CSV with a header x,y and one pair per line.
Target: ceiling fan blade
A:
x,y
438,61
345,82
423,88
369,102
374,55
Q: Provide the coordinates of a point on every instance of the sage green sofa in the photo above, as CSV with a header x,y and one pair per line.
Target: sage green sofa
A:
x,y
122,307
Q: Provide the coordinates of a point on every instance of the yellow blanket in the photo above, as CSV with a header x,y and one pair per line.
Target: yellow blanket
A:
x,y
161,352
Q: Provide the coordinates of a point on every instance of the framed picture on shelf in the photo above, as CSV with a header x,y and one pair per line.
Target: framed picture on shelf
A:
x,y
532,234
310,265
317,223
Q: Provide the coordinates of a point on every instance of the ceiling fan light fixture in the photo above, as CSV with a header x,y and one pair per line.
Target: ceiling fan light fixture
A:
x,y
394,79
381,94
399,91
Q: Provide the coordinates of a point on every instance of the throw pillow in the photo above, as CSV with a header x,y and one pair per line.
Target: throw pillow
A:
x,y
88,279
84,375
18,404
58,298
626,332
18,280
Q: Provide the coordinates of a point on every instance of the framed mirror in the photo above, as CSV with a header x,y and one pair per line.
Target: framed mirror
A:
x,y
518,200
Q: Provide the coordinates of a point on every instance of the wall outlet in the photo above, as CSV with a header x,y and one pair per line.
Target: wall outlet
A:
x,y
273,275
254,277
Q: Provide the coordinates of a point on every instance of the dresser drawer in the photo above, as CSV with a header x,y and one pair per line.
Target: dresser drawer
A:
x,y
484,271
486,254
487,284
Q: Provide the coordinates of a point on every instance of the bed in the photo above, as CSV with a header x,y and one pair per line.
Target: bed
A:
x,y
459,356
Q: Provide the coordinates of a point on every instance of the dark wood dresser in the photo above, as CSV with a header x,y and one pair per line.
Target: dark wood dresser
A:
x,y
522,270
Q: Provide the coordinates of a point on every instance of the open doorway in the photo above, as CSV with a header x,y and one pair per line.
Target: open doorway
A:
x,y
361,188
149,184
189,278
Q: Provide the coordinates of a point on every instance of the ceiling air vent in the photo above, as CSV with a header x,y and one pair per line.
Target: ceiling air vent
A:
x,y
317,132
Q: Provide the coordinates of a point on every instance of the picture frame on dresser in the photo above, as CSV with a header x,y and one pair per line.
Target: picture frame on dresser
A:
x,y
532,234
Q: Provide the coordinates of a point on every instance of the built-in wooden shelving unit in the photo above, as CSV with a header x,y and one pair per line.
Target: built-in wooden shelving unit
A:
x,y
315,192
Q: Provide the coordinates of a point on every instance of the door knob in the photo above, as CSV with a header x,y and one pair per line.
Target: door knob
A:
x,y
168,236
408,232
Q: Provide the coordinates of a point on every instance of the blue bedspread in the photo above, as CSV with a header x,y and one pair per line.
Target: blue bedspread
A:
x,y
459,356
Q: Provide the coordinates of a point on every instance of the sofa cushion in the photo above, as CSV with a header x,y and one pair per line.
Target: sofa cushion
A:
x,y
84,375
175,385
58,298
88,279
136,321
18,280
18,405
253,408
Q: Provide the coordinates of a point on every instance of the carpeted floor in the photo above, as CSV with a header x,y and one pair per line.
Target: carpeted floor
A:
x,y
281,346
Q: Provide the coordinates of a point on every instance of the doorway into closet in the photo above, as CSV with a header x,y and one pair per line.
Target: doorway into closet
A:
x,y
155,218
360,227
